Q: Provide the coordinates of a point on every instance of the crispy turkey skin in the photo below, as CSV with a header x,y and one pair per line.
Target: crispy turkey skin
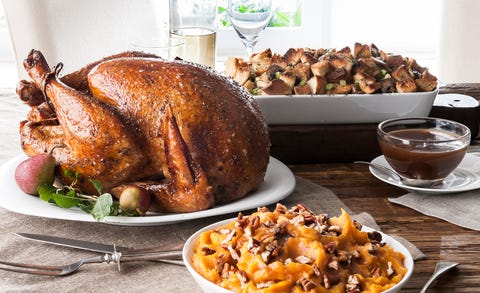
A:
x,y
192,137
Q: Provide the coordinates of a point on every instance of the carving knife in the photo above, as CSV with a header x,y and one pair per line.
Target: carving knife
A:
x,y
74,243
172,256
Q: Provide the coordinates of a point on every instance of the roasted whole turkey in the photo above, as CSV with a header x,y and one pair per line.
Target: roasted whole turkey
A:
x,y
190,136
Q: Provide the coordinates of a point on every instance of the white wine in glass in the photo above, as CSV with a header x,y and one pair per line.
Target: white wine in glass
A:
x,y
199,44
249,18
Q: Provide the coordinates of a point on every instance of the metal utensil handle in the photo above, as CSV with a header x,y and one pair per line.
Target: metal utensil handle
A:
x,y
134,255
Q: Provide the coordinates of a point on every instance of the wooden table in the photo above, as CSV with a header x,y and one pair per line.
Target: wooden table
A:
x,y
439,240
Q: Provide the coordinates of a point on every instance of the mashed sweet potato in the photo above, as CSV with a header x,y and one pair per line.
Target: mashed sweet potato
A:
x,y
296,251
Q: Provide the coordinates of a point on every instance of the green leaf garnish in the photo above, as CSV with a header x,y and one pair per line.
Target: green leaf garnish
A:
x,y
102,206
70,174
46,191
99,206
65,201
98,185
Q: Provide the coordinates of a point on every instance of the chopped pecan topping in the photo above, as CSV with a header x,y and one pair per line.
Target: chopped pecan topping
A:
x,y
309,219
255,222
316,270
253,245
242,276
264,285
269,224
376,272
248,231
333,265
307,284
353,284
335,230
281,209
344,256
233,253
390,270
295,209
298,220
273,247
262,209
322,229
227,271
221,260
322,218
265,256
224,231
375,236
373,247
326,281
207,250
229,237
321,223
241,221
267,238
357,225
301,207
280,229
303,259
330,247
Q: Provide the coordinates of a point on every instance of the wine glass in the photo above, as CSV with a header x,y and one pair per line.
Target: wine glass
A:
x,y
249,18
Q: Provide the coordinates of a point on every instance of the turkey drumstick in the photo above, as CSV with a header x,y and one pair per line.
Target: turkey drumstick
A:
x,y
100,146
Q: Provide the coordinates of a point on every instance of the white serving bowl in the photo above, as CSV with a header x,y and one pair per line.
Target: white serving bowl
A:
x,y
210,287
407,262
344,109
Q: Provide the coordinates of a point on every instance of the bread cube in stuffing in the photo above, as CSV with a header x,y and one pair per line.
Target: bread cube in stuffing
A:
x,y
277,87
320,68
293,56
361,51
261,61
427,82
302,90
238,69
366,83
402,74
302,71
288,77
317,85
406,86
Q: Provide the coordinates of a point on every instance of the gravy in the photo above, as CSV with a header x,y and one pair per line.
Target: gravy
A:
x,y
427,162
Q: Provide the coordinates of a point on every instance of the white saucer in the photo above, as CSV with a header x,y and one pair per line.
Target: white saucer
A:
x,y
466,177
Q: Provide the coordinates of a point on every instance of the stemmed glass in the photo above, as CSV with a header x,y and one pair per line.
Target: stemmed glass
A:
x,y
249,18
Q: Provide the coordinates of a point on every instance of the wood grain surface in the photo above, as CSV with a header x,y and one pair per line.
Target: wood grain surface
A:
x,y
437,239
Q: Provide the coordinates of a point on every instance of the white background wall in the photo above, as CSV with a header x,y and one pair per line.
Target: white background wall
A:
x,y
76,32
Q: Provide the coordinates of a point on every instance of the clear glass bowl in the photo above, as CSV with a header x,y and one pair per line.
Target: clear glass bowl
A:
x,y
423,151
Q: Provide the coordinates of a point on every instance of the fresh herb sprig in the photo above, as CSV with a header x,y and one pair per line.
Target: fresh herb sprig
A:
x,y
99,206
